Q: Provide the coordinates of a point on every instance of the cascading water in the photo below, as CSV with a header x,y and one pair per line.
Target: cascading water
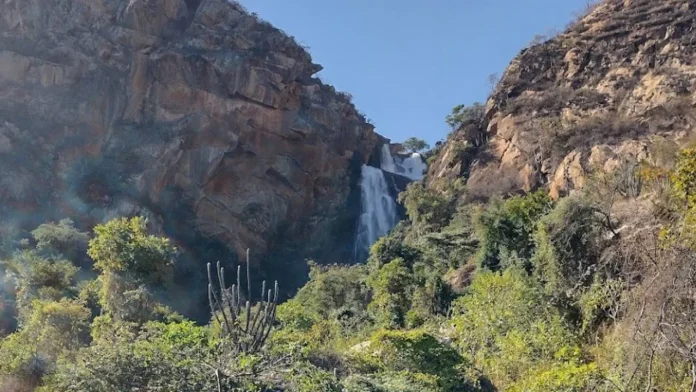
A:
x,y
411,167
379,213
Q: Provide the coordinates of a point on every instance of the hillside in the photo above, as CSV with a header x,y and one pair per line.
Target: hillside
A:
x,y
616,86
196,114
551,246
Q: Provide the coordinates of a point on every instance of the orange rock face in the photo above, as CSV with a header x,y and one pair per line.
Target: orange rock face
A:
x,y
192,112
618,85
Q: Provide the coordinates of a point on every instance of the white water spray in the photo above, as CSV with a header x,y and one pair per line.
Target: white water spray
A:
x,y
411,167
379,213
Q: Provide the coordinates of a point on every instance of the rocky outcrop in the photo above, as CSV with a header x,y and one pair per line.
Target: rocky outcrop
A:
x,y
192,112
617,86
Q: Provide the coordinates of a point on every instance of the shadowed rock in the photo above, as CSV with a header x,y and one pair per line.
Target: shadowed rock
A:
x,y
112,107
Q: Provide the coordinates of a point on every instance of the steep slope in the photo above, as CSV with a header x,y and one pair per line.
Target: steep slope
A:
x,y
616,87
192,112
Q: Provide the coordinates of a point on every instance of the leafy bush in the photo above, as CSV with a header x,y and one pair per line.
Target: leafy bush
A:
x,y
505,327
415,353
391,247
569,243
334,290
162,357
684,177
307,378
427,209
61,239
53,330
130,259
35,277
462,114
391,382
391,287
506,228
124,246
563,377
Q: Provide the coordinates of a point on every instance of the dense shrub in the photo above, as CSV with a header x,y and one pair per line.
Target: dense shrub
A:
x,y
35,277
506,328
62,239
427,209
392,287
52,331
553,100
414,354
505,229
569,242
339,293
162,357
130,259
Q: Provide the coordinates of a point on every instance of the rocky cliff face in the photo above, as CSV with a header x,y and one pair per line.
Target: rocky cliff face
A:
x,y
617,86
192,112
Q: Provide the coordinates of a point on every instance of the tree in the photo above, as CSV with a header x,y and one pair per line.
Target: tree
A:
x,y
462,114
427,209
391,287
569,242
130,260
61,239
390,247
53,330
505,228
36,277
338,293
123,246
507,329
415,145
493,80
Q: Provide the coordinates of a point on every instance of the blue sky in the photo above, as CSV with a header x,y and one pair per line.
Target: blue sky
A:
x,y
408,62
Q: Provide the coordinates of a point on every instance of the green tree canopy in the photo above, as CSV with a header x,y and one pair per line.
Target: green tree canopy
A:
x,y
124,246
414,144
507,328
131,260
505,229
62,239
36,277
462,114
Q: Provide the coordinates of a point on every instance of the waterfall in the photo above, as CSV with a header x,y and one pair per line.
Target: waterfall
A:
x,y
379,213
387,160
411,167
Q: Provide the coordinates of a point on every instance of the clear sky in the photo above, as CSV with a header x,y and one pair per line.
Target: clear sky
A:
x,y
408,62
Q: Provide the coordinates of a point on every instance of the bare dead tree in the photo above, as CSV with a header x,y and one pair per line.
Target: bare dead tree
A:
x,y
247,330
493,80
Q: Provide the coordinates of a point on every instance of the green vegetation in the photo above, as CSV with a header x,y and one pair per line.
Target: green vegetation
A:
x,y
415,145
516,294
462,114
506,229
